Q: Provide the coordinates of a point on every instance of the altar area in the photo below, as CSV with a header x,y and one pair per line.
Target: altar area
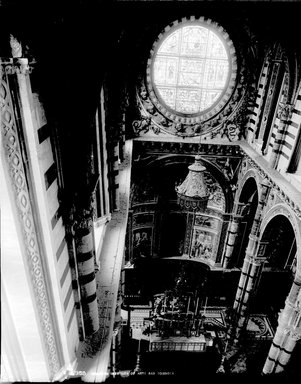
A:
x,y
197,343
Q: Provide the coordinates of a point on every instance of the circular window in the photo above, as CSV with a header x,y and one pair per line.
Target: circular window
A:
x,y
192,70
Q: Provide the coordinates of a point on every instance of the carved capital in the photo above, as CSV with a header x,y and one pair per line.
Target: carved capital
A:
x,y
285,112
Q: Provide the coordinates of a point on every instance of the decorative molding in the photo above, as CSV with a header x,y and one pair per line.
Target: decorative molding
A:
x,y
152,148
17,174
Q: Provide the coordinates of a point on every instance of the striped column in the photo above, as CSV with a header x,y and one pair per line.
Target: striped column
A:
x,y
74,273
86,278
254,122
232,234
285,114
287,350
113,175
288,331
122,139
252,266
248,280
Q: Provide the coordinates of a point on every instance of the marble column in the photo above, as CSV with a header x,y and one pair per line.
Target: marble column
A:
x,y
284,115
252,266
74,274
232,233
288,331
85,256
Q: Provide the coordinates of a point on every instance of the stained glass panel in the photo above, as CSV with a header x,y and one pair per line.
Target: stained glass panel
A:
x,y
191,69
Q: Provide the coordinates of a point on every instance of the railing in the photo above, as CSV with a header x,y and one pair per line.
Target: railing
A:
x,y
177,346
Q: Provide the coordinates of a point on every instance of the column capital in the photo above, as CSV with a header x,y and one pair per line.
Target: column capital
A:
x,y
285,111
295,335
256,260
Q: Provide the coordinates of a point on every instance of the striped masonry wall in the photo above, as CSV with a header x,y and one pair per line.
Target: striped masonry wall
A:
x,y
254,121
49,170
274,133
288,135
291,135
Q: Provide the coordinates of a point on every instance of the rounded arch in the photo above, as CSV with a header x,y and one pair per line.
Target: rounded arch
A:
x,y
186,160
279,251
248,191
281,209
251,173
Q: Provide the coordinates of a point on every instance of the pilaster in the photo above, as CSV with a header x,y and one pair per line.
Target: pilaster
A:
x,y
284,114
252,266
288,331
232,233
14,74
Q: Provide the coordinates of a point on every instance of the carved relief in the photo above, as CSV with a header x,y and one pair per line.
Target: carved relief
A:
x,y
142,243
285,112
202,244
205,238
216,195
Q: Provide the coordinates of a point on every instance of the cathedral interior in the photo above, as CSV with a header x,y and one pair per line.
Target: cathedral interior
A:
x,y
150,190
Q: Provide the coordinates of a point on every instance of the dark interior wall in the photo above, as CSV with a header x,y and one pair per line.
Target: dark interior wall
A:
x,y
79,43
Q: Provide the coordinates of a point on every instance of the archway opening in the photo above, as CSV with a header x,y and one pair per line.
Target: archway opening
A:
x,y
277,276
249,197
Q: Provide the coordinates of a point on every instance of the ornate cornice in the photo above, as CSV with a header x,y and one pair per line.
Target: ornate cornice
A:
x,y
17,173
